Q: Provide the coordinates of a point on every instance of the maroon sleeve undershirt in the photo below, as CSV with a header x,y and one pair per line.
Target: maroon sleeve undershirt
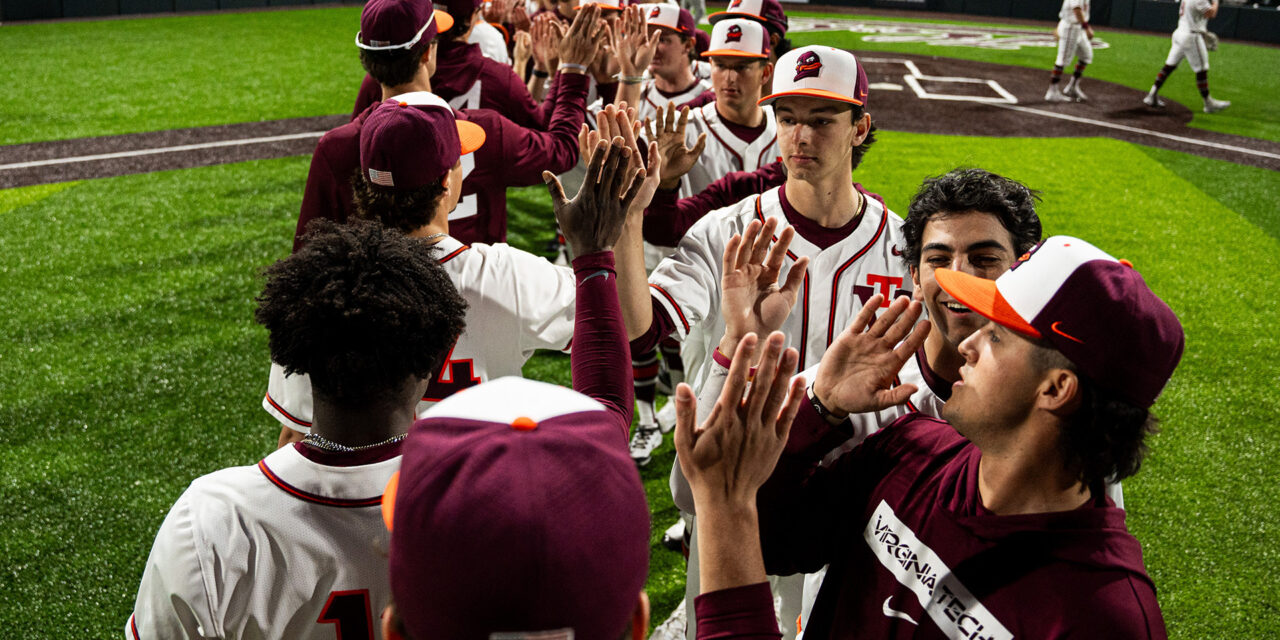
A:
x,y
511,95
738,612
600,363
530,151
669,216
607,92
705,98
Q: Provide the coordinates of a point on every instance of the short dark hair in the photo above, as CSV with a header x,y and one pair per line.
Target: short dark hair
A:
x,y
971,189
394,67
862,149
461,24
1105,439
404,210
783,46
359,308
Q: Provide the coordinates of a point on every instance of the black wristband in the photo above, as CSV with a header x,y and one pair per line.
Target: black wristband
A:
x,y
541,74
822,409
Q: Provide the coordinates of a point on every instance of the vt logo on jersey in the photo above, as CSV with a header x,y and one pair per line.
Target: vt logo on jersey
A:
x,y
655,13
808,66
734,34
888,286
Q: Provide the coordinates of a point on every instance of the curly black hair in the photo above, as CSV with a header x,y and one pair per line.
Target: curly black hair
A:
x,y
394,67
404,210
971,189
1104,440
359,308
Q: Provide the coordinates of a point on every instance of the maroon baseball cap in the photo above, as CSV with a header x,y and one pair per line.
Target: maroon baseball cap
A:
x,y
517,510
1096,310
767,12
399,24
414,139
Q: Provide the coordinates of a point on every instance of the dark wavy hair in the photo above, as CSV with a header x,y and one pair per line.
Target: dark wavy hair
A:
x,y
359,308
394,67
405,210
1105,439
862,149
971,189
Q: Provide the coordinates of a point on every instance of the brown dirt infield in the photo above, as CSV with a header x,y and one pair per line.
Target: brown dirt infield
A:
x,y
924,94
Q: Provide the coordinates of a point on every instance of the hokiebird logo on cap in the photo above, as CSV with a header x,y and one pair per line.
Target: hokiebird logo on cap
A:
x,y
808,66
734,34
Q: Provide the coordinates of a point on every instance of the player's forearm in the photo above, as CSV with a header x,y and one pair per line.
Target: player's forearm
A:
x,y
537,85
633,283
600,356
628,92
728,544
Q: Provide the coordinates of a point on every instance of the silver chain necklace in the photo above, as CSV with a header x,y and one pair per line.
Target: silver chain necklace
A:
x,y
320,442
434,236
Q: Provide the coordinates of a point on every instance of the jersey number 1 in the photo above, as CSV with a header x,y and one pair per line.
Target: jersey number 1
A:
x,y
349,611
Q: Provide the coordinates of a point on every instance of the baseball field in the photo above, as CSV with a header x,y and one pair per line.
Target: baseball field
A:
x,y
130,363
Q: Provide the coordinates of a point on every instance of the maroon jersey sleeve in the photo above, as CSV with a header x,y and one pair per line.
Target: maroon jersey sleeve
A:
x,y
600,364
661,327
370,92
740,612
509,95
669,216
328,193
528,151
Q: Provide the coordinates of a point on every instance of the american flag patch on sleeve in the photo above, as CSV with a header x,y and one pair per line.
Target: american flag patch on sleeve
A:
x,y
381,177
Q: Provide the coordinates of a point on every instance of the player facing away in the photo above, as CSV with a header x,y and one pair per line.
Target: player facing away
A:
x,y
517,512
1074,35
1000,506
293,547
1189,43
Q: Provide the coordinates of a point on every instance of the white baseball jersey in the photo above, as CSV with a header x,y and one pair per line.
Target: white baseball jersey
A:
x,y
1188,41
839,279
651,98
492,44
1191,15
701,69
287,548
1068,14
726,152
516,303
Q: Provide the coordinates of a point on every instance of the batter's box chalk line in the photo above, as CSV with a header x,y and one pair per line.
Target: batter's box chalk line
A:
x,y
913,78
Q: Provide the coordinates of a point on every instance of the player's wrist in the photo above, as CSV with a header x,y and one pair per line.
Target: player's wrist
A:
x,y
820,400
573,67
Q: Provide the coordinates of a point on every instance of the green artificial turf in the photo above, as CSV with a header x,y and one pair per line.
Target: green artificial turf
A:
x,y
148,74
132,364
93,78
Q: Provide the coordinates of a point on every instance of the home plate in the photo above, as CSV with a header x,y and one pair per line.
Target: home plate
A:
x,y
886,86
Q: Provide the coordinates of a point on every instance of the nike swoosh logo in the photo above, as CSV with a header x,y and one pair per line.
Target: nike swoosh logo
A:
x,y
1060,332
894,613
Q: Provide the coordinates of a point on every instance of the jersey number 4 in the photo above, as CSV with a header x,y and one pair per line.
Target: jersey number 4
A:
x,y
454,376
349,611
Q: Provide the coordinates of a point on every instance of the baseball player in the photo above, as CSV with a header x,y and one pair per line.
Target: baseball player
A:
x,y
571,555
1189,42
769,14
849,237
739,134
515,155
516,302
1074,35
293,547
672,80
1077,345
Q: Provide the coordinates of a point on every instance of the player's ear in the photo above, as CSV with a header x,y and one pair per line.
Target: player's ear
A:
x,y
916,294
862,127
640,618
767,76
1059,392
391,624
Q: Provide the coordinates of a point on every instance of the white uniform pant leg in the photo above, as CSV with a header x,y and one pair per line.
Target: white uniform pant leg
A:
x,y
1068,37
1084,48
1197,53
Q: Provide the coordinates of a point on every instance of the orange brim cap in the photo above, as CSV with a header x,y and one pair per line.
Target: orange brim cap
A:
x,y
733,53
470,135
720,15
389,500
810,93
982,296
444,21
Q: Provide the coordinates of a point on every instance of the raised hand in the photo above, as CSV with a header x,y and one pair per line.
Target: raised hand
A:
x,y
669,133
522,52
857,371
731,454
592,221
750,299
546,33
582,41
631,42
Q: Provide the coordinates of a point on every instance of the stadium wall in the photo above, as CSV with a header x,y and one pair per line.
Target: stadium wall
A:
x,y
1239,22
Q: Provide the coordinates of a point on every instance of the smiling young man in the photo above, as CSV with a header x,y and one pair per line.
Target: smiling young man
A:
x,y
951,529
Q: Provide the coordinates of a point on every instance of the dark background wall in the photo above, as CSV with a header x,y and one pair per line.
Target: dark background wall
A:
x,y
1238,22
